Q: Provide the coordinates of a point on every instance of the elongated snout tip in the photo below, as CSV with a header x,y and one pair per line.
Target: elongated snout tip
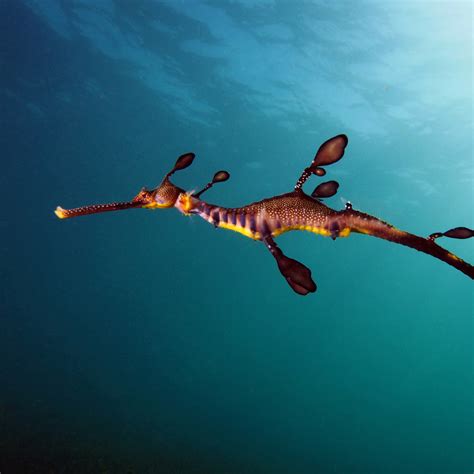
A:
x,y
60,212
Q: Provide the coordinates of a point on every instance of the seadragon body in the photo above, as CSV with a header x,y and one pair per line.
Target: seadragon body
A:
x,y
267,219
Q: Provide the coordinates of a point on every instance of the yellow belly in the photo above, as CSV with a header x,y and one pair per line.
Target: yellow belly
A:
x,y
257,236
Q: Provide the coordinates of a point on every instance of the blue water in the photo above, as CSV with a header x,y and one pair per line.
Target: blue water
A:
x,y
144,341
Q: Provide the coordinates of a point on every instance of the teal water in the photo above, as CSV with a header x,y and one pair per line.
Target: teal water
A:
x,y
147,342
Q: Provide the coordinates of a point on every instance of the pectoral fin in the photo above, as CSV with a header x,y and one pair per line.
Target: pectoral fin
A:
x,y
297,275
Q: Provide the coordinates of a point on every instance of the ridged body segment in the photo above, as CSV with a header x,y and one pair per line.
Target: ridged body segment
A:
x,y
274,216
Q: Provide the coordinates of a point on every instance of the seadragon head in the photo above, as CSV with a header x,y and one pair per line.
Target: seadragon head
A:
x,y
162,197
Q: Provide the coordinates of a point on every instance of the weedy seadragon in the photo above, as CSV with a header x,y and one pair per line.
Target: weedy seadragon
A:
x,y
266,219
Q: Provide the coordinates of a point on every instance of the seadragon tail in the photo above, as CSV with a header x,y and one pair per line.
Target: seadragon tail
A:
x,y
369,225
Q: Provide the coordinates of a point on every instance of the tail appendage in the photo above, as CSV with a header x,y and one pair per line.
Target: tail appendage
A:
x,y
369,225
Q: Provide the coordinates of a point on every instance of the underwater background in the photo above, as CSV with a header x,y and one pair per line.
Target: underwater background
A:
x,y
143,341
